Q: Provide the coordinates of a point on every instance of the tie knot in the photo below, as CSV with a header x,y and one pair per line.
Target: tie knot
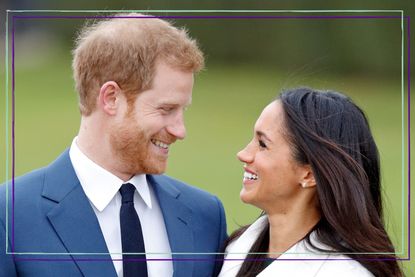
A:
x,y
127,192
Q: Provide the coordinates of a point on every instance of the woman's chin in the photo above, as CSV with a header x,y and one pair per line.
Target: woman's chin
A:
x,y
247,197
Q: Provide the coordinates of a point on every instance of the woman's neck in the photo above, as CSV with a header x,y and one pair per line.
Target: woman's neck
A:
x,y
287,228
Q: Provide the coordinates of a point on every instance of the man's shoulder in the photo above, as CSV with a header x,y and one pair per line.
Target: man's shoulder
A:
x,y
188,193
25,192
24,183
207,209
25,187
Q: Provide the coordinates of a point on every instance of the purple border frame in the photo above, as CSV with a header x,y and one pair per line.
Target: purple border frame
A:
x,y
210,17
14,17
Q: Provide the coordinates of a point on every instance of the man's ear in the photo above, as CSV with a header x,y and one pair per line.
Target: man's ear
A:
x,y
307,180
109,97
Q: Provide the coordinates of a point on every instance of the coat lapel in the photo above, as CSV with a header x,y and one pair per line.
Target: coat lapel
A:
x,y
286,265
237,250
299,260
178,220
74,220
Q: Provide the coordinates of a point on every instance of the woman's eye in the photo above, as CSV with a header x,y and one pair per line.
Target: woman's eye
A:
x,y
262,144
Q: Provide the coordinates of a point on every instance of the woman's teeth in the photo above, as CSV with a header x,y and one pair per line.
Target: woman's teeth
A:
x,y
250,176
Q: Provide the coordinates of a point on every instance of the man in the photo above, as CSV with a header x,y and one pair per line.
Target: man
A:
x,y
78,216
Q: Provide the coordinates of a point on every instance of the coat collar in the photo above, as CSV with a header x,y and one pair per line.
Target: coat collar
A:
x,y
74,220
284,266
299,260
178,219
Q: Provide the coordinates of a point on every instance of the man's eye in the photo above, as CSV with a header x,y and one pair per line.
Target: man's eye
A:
x,y
167,109
262,144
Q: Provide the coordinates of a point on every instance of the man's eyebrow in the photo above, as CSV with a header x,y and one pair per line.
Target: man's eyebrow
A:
x,y
174,104
262,134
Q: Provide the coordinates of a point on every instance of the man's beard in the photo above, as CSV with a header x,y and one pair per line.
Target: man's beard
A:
x,y
130,145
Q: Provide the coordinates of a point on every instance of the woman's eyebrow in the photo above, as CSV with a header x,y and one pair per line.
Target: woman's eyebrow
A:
x,y
262,134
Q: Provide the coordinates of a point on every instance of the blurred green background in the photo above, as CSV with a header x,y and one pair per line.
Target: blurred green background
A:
x,y
249,61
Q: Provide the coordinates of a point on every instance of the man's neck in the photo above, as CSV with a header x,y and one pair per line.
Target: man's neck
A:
x,y
95,145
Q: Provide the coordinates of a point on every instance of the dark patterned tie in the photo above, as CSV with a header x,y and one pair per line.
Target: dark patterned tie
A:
x,y
131,235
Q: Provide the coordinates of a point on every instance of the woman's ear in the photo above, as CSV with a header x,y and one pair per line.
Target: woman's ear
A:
x,y
307,180
109,97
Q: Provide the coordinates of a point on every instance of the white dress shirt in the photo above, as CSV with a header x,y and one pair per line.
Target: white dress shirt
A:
x,y
288,263
102,189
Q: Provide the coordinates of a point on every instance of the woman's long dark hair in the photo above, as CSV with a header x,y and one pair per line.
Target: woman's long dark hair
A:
x,y
330,133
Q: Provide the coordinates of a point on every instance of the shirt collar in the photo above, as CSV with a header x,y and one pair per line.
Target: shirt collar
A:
x,y
100,185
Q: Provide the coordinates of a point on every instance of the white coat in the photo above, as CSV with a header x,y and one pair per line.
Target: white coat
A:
x,y
312,263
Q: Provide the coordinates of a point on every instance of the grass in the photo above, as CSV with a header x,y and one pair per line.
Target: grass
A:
x,y
226,102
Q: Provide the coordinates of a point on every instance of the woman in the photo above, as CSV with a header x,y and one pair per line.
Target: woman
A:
x,y
313,169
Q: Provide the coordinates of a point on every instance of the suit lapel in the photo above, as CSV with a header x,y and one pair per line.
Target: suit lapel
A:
x,y
178,220
74,220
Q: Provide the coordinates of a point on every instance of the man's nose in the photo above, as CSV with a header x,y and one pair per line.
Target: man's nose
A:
x,y
177,128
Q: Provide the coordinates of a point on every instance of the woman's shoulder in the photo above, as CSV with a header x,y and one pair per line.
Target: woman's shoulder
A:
x,y
332,264
317,268
300,260
343,267
305,260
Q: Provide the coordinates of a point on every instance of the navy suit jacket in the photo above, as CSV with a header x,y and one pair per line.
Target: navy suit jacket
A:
x,y
52,226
